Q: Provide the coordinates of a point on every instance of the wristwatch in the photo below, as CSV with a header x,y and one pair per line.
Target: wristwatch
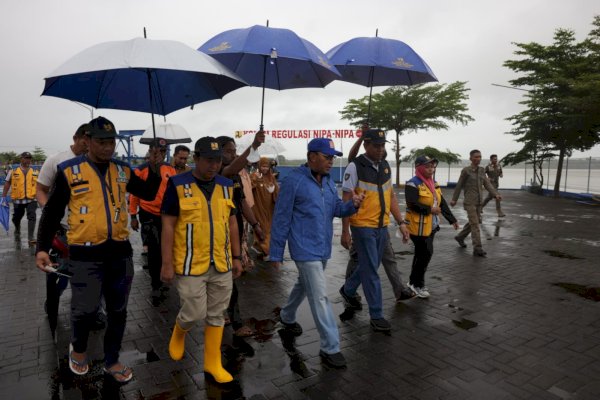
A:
x,y
237,257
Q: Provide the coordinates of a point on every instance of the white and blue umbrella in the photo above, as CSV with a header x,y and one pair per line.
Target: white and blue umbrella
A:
x,y
271,58
152,76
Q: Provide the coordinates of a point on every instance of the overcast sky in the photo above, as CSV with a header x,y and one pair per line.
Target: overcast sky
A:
x,y
460,40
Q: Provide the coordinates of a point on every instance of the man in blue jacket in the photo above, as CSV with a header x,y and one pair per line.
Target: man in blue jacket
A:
x,y
307,203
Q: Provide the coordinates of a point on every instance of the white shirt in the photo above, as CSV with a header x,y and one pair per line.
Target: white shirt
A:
x,y
49,169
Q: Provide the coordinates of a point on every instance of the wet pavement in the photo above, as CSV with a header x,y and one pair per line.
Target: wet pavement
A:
x,y
522,323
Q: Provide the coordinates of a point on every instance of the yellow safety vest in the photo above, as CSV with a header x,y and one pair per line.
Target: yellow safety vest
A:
x,y
419,224
97,204
374,211
23,185
201,235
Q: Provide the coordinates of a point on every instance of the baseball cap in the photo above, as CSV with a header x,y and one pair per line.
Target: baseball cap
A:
x,y
26,154
102,128
425,160
325,146
374,136
208,146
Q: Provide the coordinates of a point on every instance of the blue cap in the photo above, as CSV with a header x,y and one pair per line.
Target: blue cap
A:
x,y
325,146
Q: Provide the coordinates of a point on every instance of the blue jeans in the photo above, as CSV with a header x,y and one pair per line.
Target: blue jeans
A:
x,y
311,284
369,244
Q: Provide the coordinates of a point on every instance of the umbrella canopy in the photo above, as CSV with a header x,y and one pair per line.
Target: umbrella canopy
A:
x,y
172,133
271,146
154,76
271,58
376,61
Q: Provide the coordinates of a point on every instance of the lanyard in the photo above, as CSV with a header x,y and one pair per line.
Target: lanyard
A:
x,y
112,197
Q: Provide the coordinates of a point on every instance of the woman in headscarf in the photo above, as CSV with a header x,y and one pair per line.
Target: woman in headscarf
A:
x,y
265,190
425,204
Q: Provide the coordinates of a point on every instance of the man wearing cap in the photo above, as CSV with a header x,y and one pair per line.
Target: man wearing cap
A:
x,y
472,180
371,175
201,252
56,284
93,186
150,219
22,181
425,204
303,217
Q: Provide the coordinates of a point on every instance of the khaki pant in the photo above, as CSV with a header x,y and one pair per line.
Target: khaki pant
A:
x,y
472,227
492,197
203,297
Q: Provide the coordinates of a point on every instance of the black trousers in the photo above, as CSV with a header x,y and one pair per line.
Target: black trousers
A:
x,y
151,229
423,254
90,281
19,212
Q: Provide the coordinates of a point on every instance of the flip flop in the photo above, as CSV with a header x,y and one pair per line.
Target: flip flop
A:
x,y
122,372
73,363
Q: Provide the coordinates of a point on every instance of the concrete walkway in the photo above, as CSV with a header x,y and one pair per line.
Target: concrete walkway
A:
x,y
523,323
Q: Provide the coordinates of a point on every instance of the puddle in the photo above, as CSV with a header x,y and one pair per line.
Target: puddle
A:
x,y
587,292
465,324
560,254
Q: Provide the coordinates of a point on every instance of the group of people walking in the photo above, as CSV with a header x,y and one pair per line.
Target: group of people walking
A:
x,y
195,223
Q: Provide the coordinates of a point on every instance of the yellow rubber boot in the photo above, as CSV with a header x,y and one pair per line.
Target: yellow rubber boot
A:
x,y
177,343
212,354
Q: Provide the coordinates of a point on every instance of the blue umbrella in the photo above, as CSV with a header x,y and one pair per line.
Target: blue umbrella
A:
x,y
153,76
4,213
376,61
271,58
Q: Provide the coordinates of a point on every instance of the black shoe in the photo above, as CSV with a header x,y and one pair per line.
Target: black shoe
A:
x,y
335,360
352,302
479,253
293,328
461,242
405,294
381,325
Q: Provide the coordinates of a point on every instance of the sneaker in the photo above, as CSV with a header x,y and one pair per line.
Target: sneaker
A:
x,y
352,302
479,252
381,325
335,360
421,292
294,328
461,242
405,294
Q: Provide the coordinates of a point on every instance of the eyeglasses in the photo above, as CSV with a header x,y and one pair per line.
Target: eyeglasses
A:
x,y
328,157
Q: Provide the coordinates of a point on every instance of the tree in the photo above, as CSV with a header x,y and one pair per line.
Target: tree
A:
x,y
9,157
411,108
563,105
447,156
38,155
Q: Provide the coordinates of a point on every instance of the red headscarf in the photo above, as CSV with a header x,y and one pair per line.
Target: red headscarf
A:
x,y
429,182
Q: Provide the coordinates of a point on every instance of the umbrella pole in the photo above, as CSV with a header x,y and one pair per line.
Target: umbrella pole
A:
x,y
151,102
262,106
371,73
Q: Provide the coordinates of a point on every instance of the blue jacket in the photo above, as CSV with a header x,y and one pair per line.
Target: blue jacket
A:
x,y
303,216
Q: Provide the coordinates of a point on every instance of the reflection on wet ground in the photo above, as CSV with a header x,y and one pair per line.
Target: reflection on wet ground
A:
x,y
587,292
